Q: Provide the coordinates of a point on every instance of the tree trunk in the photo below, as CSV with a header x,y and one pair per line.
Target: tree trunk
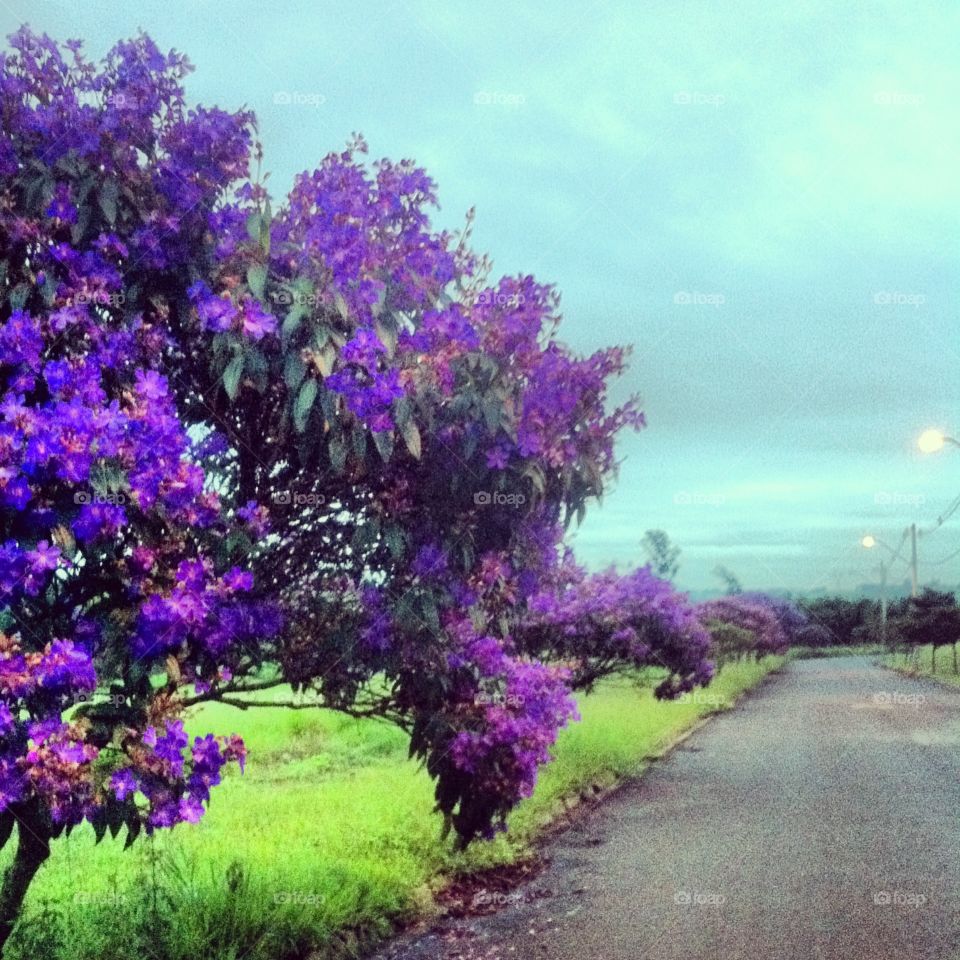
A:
x,y
933,659
33,847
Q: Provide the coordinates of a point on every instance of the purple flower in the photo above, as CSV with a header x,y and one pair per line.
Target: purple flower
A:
x,y
123,783
150,385
257,323
44,557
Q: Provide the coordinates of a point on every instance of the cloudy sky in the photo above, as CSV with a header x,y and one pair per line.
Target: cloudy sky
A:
x,y
761,197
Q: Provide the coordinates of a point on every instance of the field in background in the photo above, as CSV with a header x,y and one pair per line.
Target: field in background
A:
x,y
328,840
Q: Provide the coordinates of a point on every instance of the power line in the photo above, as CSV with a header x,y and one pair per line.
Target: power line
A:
x,y
934,563
943,518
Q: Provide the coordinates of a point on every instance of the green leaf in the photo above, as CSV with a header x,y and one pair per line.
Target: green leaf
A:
x,y
99,822
492,410
19,295
231,376
257,279
293,319
360,442
254,226
338,453
107,199
383,441
411,436
387,333
402,411
265,221
133,831
304,404
321,336
79,230
341,305
394,538
294,370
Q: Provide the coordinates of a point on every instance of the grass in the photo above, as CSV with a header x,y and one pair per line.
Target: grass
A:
x,y
820,653
328,842
925,662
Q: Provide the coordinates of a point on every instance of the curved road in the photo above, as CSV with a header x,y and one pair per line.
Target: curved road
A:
x,y
819,819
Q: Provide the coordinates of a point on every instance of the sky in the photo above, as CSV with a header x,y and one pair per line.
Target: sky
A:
x,y
761,198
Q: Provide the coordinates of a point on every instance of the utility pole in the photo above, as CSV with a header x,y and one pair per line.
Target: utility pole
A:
x,y
913,560
883,603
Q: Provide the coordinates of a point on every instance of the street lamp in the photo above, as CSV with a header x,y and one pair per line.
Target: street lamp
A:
x,y
870,542
932,440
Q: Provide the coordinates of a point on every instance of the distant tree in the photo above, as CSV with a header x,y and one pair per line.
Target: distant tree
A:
x,y
932,618
847,621
729,642
815,635
661,553
730,580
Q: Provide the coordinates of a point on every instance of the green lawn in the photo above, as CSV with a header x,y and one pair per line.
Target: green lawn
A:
x,y
326,842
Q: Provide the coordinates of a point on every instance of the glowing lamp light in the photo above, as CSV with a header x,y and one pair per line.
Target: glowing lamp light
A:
x,y
931,441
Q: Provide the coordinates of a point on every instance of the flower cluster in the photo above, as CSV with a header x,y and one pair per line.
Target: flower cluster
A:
x,y
634,620
174,777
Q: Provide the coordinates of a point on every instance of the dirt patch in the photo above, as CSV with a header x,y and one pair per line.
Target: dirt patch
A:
x,y
488,891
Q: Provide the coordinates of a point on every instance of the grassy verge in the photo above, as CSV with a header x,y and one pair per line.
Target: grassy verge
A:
x,y
327,842
924,662
819,653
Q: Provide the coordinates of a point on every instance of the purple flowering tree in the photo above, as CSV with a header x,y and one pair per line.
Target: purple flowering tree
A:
x,y
246,447
750,624
420,437
122,582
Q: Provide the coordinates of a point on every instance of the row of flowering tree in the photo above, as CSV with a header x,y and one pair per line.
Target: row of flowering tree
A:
x,y
244,447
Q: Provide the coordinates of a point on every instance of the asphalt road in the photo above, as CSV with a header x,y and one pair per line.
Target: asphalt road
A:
x,y
820,819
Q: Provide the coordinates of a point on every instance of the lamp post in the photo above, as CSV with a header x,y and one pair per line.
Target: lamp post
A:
x,y
869,542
